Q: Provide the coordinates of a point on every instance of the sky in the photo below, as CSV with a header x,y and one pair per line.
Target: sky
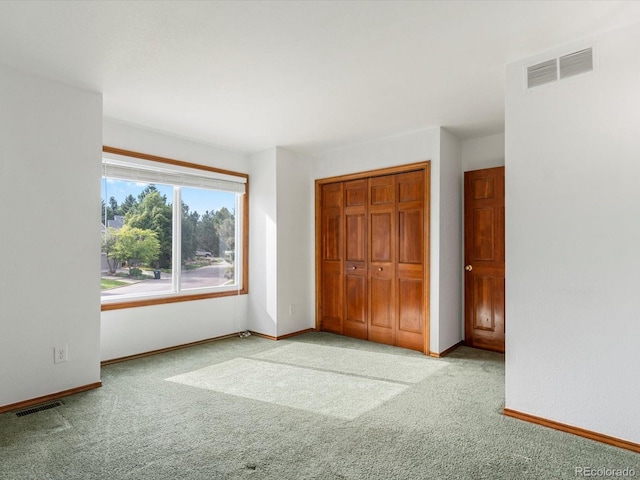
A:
x,y
198,200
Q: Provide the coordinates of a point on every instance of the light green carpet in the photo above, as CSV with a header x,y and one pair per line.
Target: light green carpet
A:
x,y
317,406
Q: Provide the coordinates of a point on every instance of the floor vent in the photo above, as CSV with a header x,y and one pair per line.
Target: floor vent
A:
x,y
38,409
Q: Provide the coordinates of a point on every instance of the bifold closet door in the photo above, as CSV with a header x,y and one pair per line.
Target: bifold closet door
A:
x,y
373,258
331,255
396,263
382,254
355,274
410,270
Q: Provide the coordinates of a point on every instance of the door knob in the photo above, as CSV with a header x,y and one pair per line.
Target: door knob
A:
x,y
353,268
468,268
380,269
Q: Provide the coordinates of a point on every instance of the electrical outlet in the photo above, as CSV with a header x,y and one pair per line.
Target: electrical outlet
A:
x,y
59,354
291,309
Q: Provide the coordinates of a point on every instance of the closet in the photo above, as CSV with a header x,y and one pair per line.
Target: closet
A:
x,y
372,255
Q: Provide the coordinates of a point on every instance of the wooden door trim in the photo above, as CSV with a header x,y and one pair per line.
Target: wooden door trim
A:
x,y
424,166
581,432
318,254
409,167
427,256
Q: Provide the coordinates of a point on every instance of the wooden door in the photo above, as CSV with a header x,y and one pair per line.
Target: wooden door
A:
x,y
382,255
355,274
484,253
331,255
372,255
410,289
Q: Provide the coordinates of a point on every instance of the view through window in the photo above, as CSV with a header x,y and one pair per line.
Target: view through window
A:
x,y
151,247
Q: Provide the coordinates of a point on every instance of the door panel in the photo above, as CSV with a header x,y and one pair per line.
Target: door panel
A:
x,y
484,259
382,241
410,211
356,237
483,188
483,234
411,187
483,311
410,332
356,194
355,273
381,192
332,300
382,237
381,311
331,224
410,301
410,244
488,313
355,321
381,321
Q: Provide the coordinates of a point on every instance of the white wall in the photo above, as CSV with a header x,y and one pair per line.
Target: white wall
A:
x,y
282,251
137,330
130,331
410,148
572,170
263,244
483,152
296,252
131,137
49,190
451,324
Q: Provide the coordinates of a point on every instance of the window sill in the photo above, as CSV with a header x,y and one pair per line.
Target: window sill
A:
x,y
169,299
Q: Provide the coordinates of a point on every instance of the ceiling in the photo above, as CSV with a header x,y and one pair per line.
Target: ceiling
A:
x,y
308,75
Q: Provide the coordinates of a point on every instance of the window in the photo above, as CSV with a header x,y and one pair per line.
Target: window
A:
x,y
171,230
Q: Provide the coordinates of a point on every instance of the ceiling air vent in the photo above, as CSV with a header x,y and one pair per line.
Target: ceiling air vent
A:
x,y
542,73
576,63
